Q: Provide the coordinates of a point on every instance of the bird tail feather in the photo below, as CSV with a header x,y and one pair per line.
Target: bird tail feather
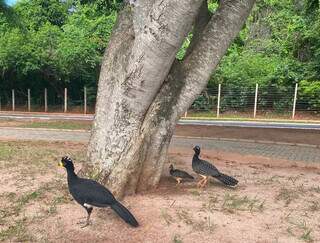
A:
x,y
124,213
227,180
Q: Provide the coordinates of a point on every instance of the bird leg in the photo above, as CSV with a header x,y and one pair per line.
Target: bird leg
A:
x,y
199,184
87,222
205,181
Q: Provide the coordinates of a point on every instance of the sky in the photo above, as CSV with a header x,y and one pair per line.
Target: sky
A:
x,y
10,2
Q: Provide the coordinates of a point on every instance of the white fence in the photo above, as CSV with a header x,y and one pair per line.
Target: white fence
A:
x,y
220,101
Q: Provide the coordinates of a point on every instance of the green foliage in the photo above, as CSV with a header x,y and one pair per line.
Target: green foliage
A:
x,y
310,93
213,5
184,47
56,44
202,102
278,47
5,12
35,13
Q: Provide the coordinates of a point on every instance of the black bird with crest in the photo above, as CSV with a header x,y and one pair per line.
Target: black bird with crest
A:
x,y
89,193
206,169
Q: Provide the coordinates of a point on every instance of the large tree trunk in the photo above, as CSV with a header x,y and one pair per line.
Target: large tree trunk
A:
x,y
143,90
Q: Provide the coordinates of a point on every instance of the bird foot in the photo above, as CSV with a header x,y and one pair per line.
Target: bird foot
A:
x,y
204,184
200,183
178,181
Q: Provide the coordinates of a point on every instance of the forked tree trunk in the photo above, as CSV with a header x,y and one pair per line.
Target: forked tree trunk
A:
x,y
143,90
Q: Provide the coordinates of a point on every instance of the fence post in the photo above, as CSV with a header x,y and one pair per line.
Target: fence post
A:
x,y
13,100
255,101
85,100
65,100
218,105
29,102
45,100
294,101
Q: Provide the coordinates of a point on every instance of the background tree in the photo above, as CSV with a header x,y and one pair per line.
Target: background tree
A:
x,y
52,44
276,49
55,44
143,89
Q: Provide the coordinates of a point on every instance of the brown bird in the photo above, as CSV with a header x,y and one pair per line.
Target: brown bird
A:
x,y
179,174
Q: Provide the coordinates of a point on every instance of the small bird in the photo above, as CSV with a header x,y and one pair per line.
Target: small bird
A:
x,y
205,169
179,174
89,193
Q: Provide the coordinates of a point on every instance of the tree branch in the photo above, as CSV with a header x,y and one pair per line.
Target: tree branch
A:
x,y
142,9
200,23
157,40
211,46
187,79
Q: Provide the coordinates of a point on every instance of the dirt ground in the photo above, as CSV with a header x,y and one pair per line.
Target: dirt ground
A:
x,y
275,201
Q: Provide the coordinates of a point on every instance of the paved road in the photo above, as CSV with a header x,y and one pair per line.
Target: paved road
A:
x,y
252,124
279,151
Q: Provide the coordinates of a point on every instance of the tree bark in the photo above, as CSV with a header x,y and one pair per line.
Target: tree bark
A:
x,y
143,90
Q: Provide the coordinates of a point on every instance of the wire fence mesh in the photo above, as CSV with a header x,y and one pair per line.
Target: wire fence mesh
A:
x,y
48,100
270,103
234,102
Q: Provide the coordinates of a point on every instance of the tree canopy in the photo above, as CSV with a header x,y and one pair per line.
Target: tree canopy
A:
x,y
278,47
52,43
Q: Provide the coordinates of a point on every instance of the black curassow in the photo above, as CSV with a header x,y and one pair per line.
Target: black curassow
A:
x,y
206,169
179,174
89,193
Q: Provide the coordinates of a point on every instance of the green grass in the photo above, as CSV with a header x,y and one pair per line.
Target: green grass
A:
x,y
5,152
184,216
167,217
300,230
28,160
177,239
315,189
58,125
37,156
234,117
86,125
54,124
314,206
17,228
232,203
289,195
17,231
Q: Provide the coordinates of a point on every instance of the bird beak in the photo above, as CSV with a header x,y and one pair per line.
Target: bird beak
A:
x,y
60,164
